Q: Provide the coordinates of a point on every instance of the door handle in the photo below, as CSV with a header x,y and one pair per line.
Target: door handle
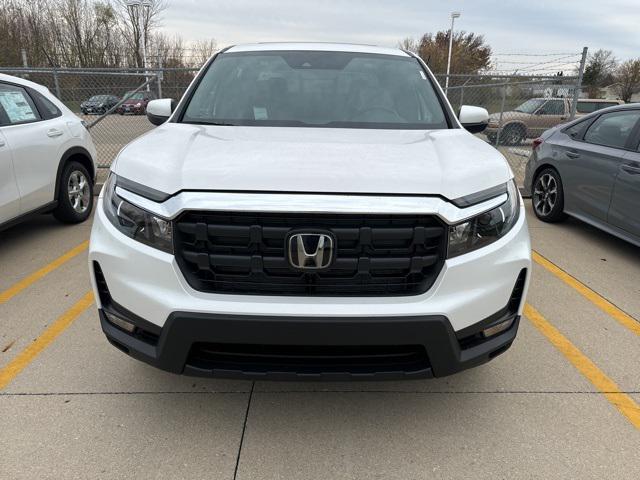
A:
x,y
54,132
633,169
2,144
573,154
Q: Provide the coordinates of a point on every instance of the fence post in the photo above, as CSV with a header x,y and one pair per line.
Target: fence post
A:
x,y
56,84
159,75
504,98
24,61
578,86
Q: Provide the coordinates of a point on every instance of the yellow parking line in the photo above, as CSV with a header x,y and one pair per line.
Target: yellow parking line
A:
x,y
37,275
623,402
26,356
599,301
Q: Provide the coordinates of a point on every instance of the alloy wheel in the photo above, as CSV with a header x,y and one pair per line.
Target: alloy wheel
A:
x,y
78,191
545,194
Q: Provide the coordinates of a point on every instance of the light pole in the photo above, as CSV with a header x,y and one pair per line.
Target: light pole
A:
x,y
139,4
454,15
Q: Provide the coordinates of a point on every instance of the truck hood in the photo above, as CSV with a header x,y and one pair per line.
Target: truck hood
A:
x,y
174,157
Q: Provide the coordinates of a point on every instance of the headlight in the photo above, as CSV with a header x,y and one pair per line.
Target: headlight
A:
x,y
135,222
138,104
485,228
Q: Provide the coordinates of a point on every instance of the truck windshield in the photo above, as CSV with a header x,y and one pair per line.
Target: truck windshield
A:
x,y
530,106
316,89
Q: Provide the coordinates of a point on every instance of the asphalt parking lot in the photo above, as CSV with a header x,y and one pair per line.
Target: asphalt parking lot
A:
x,y
562,403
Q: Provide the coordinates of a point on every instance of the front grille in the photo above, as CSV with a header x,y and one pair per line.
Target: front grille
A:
x,y
245,253
308,359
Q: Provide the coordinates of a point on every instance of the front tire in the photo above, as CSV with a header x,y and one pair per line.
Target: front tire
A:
x,y
75,194
547,196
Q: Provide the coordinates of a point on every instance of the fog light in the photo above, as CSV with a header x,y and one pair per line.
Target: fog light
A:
x,y
500,327
120,322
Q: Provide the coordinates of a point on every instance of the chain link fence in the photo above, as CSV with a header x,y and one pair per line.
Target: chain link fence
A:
x,y
520,108
113,102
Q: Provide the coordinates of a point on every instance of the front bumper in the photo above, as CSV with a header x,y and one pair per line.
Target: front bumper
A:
x,y
469,290
257,347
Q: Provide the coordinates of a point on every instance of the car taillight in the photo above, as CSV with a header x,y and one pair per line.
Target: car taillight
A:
x,y
537,142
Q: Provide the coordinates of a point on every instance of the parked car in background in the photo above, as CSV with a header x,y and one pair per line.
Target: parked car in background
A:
x,y
590,169
536,115
98,104
47,158
136,104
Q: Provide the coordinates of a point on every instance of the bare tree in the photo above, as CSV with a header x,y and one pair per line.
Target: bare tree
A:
x,y
202,50
21,28
90,33
170,51
409,44
627,77
136,20
11,22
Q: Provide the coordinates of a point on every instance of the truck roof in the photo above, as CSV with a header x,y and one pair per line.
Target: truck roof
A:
x,y
317,46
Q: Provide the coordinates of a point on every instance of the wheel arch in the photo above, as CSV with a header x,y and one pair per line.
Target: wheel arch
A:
x,y
516,124
540,168
77,154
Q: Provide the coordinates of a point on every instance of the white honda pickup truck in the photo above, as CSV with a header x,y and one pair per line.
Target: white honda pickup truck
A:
x,y
311,211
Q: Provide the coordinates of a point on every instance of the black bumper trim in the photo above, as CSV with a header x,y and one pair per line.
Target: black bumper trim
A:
x,y
434,332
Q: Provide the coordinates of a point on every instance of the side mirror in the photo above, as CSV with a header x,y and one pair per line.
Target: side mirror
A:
x,y
159,111
473,119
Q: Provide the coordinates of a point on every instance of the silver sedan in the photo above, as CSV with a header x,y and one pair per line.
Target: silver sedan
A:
x,y
590,169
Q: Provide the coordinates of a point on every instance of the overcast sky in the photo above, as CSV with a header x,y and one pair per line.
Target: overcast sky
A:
x,y
509,26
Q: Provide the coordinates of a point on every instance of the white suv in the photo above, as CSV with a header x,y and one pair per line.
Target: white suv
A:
x,y
311,211
47,158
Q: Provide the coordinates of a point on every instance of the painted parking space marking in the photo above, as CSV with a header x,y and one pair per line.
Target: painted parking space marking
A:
x,y
623,402
26,356
598,300
15,289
